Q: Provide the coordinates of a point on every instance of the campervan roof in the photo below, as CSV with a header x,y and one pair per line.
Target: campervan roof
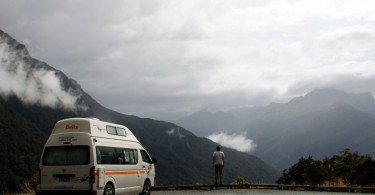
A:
x,y
95,127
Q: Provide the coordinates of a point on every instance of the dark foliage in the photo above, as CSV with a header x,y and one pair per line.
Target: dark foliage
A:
x,y
23,132
350,167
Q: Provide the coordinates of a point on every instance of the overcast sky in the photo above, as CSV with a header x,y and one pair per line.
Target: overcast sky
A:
x,y
165,58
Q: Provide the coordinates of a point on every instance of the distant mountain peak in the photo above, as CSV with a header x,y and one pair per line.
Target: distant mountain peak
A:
x,y
332,92
204,111
325,91
14,44
330,96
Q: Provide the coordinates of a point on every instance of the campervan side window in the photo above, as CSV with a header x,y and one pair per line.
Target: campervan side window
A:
x,y
120,131
66,155
145,157
116,131
112,155
111,130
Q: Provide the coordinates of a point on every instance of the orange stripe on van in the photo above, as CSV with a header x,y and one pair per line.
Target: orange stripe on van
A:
x,y
121,172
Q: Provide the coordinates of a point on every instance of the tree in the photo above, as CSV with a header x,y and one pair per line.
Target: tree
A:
x,y
364,174
347,166
343,165
306,171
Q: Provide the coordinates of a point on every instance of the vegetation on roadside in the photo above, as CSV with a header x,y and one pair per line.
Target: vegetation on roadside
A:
x,y
239,181
345,169
29,186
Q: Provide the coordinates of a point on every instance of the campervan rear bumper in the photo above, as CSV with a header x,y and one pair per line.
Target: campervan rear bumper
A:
x,y
47,191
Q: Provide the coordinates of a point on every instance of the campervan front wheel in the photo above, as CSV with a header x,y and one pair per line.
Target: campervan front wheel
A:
x,y
146,188
109,190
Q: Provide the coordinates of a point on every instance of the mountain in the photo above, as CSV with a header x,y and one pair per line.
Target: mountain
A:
x,y
34,96
320,124
204,123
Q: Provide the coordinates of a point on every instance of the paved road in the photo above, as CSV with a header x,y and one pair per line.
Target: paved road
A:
x,y
247,191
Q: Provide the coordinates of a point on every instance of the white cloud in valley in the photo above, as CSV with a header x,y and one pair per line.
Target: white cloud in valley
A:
x,y
235,141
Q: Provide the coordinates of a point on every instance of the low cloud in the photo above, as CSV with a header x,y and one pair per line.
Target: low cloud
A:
x,y
175,132
31,85
235,141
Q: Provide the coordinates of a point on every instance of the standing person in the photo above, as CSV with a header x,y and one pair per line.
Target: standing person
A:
x,y
218,164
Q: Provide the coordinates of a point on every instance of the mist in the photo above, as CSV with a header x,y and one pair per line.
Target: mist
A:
x,y
31,85
235,141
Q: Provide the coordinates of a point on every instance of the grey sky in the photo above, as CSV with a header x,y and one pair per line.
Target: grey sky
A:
x,y
165,58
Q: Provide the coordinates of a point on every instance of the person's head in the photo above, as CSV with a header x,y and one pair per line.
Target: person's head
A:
x,y
218,148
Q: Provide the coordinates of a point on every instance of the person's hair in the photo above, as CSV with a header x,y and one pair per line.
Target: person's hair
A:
x,y
218,148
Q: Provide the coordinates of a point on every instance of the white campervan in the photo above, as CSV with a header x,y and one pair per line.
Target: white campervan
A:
x,y
89,156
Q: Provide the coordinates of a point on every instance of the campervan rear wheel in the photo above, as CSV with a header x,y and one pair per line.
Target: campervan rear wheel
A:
x,y
146,188
109,190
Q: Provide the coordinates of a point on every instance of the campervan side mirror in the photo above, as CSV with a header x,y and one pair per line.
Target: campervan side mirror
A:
x,y
154,160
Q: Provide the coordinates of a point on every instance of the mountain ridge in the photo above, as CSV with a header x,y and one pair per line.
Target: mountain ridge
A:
x,y
320,123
